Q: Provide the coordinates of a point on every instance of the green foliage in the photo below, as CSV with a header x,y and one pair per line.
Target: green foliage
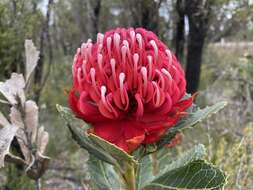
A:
x,y
118,154
82,138
235,157
195,115
228,135
153,170
103,175
17,23
181,173
195,175
96,146
67,33
16,179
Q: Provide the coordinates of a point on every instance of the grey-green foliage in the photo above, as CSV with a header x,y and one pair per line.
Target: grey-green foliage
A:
x,y
195,115
117,153
81,137
103,176
164,163
189,171
195,175
96,146
18,21
154,171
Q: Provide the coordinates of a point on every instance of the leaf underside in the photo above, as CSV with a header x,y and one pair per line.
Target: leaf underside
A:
x,y
6,136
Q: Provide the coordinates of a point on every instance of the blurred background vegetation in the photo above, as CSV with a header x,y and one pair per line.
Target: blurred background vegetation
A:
x,y
213,39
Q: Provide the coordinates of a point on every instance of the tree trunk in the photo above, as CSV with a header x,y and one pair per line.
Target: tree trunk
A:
x,y
38,76
180,30
145,14
95,17
194,57
198,12
150,15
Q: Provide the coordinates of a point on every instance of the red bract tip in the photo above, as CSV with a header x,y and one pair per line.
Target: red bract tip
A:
x,y
128,85
175,141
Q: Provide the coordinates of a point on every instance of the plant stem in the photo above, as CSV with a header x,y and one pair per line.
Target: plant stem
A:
x,y
38,184
129,176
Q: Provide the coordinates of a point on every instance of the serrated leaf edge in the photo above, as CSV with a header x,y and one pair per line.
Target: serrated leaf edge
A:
x,y
206,115
130,158
174,188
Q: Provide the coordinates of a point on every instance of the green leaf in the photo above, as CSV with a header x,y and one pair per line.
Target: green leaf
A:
x,y
151,164
198,115
195,175
98,147
145,171
187,172
103,175
161,161
198,152
81,137
69,118
195,115
117,153
139,152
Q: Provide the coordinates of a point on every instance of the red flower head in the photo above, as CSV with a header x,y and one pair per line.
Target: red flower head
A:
x,y
128,86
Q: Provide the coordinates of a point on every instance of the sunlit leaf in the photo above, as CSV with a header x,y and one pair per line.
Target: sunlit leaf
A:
x,y
31,119
32,57
6,136
17,120
42,140
3,121
13,88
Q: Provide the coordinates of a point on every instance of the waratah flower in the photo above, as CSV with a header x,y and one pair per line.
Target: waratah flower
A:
x,y
129,86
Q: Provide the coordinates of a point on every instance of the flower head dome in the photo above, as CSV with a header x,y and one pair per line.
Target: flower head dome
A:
x,y
128,86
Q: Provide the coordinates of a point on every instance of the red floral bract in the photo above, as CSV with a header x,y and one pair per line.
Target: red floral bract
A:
x,y
128,86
